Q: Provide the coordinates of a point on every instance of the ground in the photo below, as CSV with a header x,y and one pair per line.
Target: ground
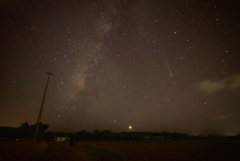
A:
x,y
200,150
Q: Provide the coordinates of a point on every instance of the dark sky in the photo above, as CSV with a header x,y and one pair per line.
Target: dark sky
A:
x,y
155,65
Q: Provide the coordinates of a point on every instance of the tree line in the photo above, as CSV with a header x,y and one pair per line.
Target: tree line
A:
x,y
23,132
26,131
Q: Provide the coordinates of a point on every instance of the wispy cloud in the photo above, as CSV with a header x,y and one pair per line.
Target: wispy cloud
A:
x,y
212,86
209,86
224,117
235,82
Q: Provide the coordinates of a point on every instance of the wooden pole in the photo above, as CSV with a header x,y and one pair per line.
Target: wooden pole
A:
x,y
41,108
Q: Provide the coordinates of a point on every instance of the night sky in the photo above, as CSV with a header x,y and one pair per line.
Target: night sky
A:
x,y
154,65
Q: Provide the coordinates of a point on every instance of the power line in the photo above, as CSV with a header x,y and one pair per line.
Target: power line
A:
x,y
54,82
23,37
30,33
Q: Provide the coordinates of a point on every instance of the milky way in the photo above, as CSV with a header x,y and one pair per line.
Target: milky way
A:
x,y
149,65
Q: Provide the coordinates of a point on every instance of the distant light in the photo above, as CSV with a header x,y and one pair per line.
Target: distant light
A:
x,y
129,127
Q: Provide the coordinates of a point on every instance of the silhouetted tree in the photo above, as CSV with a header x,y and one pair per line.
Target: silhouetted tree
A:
x,y
24,126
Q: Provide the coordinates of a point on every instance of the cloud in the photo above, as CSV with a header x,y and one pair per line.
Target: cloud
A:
x,y
213,86
224,117
235,82
209,86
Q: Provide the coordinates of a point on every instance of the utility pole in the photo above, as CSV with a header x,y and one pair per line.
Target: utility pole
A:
x,y
41,108
67,127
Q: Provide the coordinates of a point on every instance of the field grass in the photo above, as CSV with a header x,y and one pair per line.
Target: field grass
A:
x,y
21,151
219,150
200,150
97,152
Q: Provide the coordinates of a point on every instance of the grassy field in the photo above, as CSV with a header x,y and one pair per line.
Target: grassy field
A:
x,y
201,150
11,151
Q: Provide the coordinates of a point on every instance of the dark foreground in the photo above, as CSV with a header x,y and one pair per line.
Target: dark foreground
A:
x,y
200,150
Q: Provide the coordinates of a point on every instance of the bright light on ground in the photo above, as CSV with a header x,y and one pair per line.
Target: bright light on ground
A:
x,y
129,127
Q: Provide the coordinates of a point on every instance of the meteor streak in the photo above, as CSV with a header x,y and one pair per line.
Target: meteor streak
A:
x,y
168,66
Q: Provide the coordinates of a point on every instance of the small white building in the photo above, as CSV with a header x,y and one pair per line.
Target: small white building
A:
x,y
61,139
